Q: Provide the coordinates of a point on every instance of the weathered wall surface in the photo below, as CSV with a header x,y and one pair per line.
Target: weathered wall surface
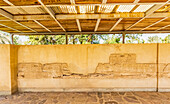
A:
x,y
5,85
119,67
164,67
8,69
14,67
87,67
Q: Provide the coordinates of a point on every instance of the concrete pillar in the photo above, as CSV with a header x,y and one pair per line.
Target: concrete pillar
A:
x,y
8,69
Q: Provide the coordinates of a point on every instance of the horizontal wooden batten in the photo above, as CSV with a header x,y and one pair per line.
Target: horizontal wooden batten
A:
x,y
90,16
76,33
116,3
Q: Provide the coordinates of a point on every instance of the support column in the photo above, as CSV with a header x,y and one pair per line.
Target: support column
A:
x,y
8,69
123,41
12,38
66,38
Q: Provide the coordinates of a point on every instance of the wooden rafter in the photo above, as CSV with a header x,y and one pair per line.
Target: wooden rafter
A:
x,y
52,14
154,23
149,12
134,8
97,24
136,1
8,2
9,16
163,27
9,27
72,1
74,33
42,25
115,9
118,3
120,19
12,5
78,24
104,1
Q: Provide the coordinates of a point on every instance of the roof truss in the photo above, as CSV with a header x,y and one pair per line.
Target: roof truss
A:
x,y
52,14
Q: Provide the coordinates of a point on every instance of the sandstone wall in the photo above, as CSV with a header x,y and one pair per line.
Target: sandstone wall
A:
x,y
164,67
8,69
118,67
5,85
87,67
14,67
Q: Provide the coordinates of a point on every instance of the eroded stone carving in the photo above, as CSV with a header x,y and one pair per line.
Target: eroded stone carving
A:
x,y
37,70
120,65
164,70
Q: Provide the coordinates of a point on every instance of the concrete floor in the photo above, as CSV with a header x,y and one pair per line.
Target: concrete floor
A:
x,y
88,98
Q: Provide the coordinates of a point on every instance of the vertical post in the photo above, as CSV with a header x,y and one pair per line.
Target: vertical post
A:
x,y
123,41
12,38
157,61
66,38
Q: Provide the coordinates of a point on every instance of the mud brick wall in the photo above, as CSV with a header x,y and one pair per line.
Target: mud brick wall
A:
x,y
118,67
87,67
8,69
164,67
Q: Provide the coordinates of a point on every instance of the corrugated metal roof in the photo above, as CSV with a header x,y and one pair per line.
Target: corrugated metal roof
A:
x,y
27,10
106,8
68,9
125,8
142,8
87,9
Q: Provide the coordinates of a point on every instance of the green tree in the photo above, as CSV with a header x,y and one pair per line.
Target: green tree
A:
x,y
134,38
154,39
111,39
15,40
166,39
4,39
45,39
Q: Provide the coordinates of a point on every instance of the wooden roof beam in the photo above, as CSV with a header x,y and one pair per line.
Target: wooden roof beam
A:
x,y
78,24
163,27
154,23
120,19
52,14
72,2
136,1
89,16
97,24
104,1
115,9
134,8
102,32
149,12
10,28
9,16
42,25
147,3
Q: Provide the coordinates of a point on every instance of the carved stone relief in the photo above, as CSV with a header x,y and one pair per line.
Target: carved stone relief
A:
x,y
119,66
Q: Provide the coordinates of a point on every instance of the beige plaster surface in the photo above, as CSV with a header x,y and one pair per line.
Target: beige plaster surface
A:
x,y
5,85
108,67
88,65
164,67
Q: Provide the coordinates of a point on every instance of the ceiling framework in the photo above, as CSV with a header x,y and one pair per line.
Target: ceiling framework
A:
x,y
10,17
84,16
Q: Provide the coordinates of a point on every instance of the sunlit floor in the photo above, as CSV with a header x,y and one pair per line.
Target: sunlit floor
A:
x,y
88,98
